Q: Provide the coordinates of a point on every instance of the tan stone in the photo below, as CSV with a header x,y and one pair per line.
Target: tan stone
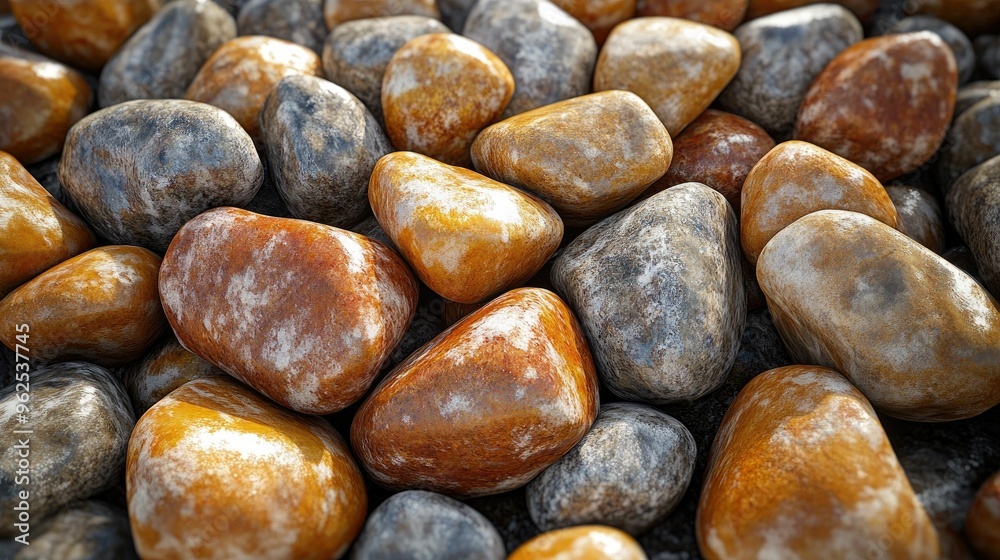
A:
x,y
586,542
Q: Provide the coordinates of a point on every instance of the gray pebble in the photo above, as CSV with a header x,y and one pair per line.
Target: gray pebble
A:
x,y
920,215
268,201
164,368
139,170
549,52
46,172
455,12
369,227
298,21
674,262
322,145
974,209
973,138
970,94
960,45
90,530
629,471
988,53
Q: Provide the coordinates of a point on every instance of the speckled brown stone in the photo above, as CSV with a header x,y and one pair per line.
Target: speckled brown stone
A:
x,y
724,14
973,205
973,138
586,542
972,16
599,16
983,523
960,45
861,8
165,368
298,21
919,216
339,11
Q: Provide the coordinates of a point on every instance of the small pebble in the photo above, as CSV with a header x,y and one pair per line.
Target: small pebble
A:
x,y
600,16
297,21
337,12
974,17
961,46
988,54
163,369
455,12
972,93
983,523
88,530
974,137
973,205
919,216
724,14
587,542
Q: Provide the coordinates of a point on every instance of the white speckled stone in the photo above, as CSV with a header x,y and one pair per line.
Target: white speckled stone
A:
x,y
974,208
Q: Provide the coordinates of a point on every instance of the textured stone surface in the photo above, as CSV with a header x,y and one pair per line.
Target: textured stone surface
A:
x,y
824,481
163,57
89,530
972,93
988,54
861,8
430,425
588,156
139,170
322,145
587,542
983,524
675,259
679,77
724,14
226,285
466,236
419,524
919,216
974,209
919,337
337,12
974,137
298,21
80,420
100,306
961,46
782,54
599,16
217,471
884,103
164,368
972,16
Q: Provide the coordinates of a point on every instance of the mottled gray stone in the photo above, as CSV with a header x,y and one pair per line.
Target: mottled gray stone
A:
x,y
974,209
972,93
164,368
960,45
422,525
369,227
165,54
629,471
90,530
81,420
455,12
973,138
357,52
988,53
298,21
139,170
920,215
782,55
658,289
549,52
322,145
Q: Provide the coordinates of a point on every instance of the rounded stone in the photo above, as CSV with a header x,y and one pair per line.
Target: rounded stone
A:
x,y
675,258
724,14
961,46
972,16
884,103
587,542
226,285
533,397
88,530
630,471
418,524
983,523
298,21
680,77
988,54
163,57
217,471
782,54
973,205
599,16
919,216
322,145
802,468
163,369
972,93
863,9
974,137
455,12
139,170
337,12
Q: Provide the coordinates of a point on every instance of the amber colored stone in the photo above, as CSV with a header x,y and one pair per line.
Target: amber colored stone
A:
x,y
676,66
983,523
585,542
82,33
303,312
972,16
439,91
215,470
486,405
466,236
801,468
338,11
797,178
165,368
36,231
861,8
241,73
41,100
600,16
884,103
724,14
100,306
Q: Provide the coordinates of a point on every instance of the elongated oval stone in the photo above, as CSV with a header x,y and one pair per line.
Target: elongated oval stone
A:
x,y
298,21
724,14
801,468
983,523
163,369
217,471
919,216
586,542
337,12
919,337
486,405
226,283
974,209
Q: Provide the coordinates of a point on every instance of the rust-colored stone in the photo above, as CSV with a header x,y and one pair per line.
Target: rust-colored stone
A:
x,y
600,16
861,8
586,542
336,12
724,14
982,526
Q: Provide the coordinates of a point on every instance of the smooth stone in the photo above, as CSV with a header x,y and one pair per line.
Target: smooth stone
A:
x,y
678,77
863,9
919,337
337,12
42,100
89,530
973,205
972,93
357,53
599,16
418,524
427,323
369,227
430,425
587,542
101,306
550,54
298,21
217,471
884,103
988,54
801,468
139,170
797,178
971,16
226,282
919,216
164,55
438,93
630,471
588,157
82,33
80,419
974,138
322,145
983,524
241,73
782,54
163,369
960,45
724,14
466,236
675,258
36,231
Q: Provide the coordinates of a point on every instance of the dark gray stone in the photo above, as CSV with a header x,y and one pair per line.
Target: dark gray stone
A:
x,y
988,52
89,530
960,45
268,201
423,328
322,145
920,215
139,170
369,227
973,138
455,12
298,21
549,52
422,525
658,289
782,55
970,94
164,368
974,209
46,172
165,54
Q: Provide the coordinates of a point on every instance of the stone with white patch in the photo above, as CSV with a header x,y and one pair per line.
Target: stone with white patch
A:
x,y
919,215
88,530
590,542
163,369
973,138
974,208
298,21
961,46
